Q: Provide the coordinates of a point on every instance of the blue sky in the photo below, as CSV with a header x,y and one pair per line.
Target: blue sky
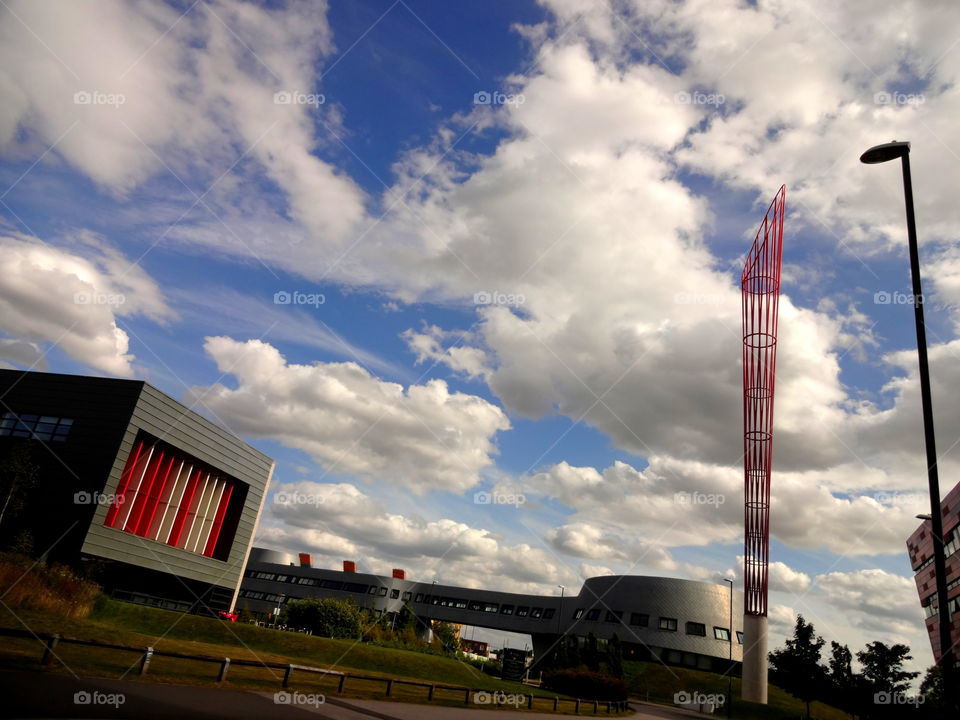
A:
x,y
624,174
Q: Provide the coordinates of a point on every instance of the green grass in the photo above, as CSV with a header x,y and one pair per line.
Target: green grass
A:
x,y
659,683
127,624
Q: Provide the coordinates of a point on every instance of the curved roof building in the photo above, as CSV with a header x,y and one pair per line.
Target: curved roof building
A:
x,y
680,622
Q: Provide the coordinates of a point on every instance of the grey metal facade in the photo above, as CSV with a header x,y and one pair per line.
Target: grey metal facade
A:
x,y
271,578
108,415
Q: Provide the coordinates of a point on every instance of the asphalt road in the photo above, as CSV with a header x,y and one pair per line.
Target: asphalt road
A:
x,y
55,695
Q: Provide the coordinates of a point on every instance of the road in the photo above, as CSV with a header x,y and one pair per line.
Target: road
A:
x,y
49,695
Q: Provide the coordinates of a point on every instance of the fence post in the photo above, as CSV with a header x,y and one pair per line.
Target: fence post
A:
x,y
52,643
608,707
389,686
430,693
576,707
530,702
224,666
466,697
556,703
145,661
596,706
286,675
343,679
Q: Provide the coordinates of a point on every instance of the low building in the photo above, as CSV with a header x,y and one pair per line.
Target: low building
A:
x,y
678,622
475,647
157,502
920,550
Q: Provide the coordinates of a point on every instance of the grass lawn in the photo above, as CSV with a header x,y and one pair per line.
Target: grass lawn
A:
x,y
658,683
127,624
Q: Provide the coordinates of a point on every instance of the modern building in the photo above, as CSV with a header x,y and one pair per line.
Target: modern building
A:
x,y
920,549
159,504
680,622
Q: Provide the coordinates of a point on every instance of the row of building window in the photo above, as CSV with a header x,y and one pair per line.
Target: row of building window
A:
x,y
951,546
37,427
536,613
664,623
358,588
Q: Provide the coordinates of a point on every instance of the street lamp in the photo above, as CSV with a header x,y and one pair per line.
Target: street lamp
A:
x,y
560,613
880,154
730,664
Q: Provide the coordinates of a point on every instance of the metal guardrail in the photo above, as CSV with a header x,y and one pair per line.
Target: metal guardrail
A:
x,y
496,697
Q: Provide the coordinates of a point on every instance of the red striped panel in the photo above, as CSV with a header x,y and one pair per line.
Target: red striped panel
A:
x,y
124,482
184,509
143,492
153,499
218,520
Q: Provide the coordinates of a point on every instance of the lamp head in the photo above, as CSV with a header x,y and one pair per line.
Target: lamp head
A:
x,y
885,152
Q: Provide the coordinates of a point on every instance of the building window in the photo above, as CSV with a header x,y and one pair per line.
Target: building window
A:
x,y
639,619
418,597
406,596
264,575
354,587
614,616
491,607
170,497
394,594
722,634
695,628
506,609
578,614
548,613
37,427
331,584
372,590
307,581
593,615
382,592
668,624
536,612
460,603
523,611
475,605
740,637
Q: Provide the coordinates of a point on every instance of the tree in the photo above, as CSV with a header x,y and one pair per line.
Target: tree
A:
x,y
18,475
842,682
446,635
797,668
615,657
325,617
884,677
931,689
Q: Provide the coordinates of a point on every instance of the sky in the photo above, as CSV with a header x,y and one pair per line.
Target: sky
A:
x,y
469,272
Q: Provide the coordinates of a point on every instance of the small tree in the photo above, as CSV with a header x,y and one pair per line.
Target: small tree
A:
x,y
797,668
325,617
18,475
884,675
446,636
842,683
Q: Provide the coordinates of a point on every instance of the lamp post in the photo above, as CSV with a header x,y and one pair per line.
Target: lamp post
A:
x,y
560,612
880,154
730,664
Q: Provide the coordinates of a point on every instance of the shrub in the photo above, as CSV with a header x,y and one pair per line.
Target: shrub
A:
x,y
54,588
325,617
587,685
